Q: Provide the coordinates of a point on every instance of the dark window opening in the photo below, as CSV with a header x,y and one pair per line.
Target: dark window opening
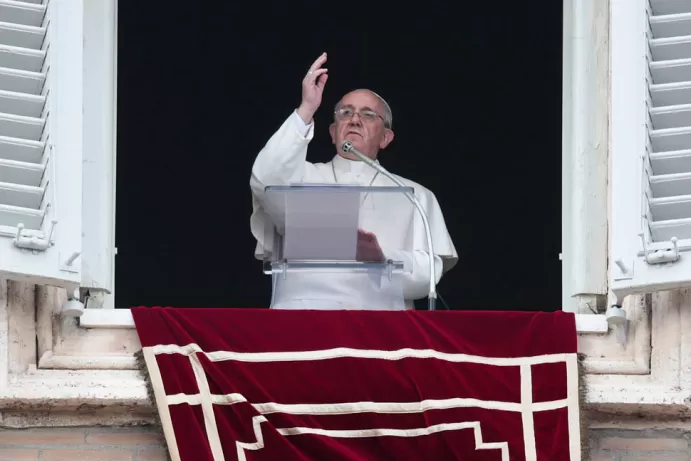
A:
x,y
476,98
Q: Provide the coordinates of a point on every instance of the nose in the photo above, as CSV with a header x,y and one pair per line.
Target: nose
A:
x,y
353,122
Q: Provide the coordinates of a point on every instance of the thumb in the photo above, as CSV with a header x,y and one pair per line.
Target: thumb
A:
x,y
321,81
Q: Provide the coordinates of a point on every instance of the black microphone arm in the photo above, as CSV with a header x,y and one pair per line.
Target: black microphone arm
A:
x,y
348,148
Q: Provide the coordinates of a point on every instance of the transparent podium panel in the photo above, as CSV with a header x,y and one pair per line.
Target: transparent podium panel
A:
x,y
339,228
334,289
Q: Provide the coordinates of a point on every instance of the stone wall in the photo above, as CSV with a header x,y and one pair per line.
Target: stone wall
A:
x,y
640,445
82,444
146,444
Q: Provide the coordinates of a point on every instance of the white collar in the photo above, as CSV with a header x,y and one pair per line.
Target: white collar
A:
x,y
345,165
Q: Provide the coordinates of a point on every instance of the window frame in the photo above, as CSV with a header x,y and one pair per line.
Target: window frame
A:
x,y
585,116
576,228
100,147
579,254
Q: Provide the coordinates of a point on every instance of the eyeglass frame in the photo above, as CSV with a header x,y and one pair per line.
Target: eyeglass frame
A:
x,y
359,114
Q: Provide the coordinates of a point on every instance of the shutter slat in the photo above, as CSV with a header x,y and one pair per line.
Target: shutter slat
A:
x,y
21,150
670,185
24,13
668,208
674,25
21,81
21,196
668,94
16,126
669,117
671,71
671,162
11,216
674,139
26,105
668,7
26,174
670,49
21,36
664,231
14,57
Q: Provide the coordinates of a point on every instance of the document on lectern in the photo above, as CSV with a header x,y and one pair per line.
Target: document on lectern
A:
x,y
321,226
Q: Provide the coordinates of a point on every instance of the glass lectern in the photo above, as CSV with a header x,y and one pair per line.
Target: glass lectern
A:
x,y
320,244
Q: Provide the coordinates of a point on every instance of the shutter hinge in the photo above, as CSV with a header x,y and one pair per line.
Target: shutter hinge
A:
x,y
34,242
668,255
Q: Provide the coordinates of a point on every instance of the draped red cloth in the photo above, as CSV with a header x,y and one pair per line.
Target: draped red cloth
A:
x,y
259,385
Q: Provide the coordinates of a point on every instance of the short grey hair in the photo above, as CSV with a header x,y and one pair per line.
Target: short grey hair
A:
x,y
388,115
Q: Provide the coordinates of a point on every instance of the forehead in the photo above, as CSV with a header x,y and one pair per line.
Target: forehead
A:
x,y
361,99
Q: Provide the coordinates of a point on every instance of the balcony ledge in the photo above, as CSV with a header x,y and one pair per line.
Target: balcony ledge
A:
x,y
122,318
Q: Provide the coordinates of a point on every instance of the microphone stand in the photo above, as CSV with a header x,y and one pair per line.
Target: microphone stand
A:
x,y
348,148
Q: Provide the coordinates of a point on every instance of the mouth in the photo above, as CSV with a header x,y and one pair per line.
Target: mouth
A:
x,y
351,132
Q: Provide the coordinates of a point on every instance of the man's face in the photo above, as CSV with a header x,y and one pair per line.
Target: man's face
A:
x,y
367,132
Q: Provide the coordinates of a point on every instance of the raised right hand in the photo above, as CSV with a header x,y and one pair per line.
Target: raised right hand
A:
x,y
313,88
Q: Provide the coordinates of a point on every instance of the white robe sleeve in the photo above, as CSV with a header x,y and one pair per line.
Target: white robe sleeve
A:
x,y
282,161
416,276
416,282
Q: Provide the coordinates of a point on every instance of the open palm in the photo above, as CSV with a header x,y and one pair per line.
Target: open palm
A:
x,y
313,84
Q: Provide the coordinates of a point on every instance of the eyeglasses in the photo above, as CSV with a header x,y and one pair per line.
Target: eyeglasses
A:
x,y
346,113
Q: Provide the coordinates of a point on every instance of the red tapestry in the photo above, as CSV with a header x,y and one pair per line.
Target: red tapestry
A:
x,y
268,385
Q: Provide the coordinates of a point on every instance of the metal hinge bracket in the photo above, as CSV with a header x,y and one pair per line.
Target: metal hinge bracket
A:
x,y
668,255
34,242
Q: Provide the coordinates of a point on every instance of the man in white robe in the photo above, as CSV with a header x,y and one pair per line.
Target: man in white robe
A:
x,y
363,118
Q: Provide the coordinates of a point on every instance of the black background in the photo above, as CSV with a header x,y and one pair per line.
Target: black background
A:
x,y
475,89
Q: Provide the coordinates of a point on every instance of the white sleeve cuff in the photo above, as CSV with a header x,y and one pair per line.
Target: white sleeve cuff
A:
x,y
300,124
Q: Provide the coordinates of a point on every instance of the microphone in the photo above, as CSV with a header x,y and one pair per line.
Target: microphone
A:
x,y
348,148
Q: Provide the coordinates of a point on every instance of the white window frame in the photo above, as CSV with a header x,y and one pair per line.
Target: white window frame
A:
x,y
585,115
121,318
100,145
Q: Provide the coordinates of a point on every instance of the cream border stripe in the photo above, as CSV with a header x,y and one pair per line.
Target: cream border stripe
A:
x,y
407,433
207,408
220,356
572,395
163,410
364,407
382,432
527,413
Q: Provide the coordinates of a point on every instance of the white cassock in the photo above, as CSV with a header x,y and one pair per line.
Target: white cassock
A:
x,y
283,161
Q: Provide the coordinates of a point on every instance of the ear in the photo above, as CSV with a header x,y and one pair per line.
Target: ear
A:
x,y
386,140
332,132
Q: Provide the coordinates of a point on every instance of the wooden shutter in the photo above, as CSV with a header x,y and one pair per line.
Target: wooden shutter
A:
x,y
651,145
41,131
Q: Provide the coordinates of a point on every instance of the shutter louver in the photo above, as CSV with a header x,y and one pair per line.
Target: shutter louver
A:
x,y
23,112
669,154
651,145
